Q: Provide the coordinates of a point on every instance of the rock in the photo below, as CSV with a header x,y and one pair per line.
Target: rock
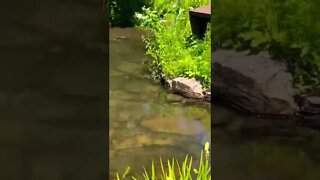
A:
x,y
310,111
141,141
167,82
174,125
207,96
187,87
253,84
174,98
195,102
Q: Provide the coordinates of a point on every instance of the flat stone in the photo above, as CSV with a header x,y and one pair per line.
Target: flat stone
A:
x,y
174,98
187,87
141,141
174,125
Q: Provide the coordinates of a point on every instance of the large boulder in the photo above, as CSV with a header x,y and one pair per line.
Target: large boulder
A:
x,y
255,84
187,87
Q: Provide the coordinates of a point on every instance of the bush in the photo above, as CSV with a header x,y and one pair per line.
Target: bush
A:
x,y
122,11
288,29
184,172
174,50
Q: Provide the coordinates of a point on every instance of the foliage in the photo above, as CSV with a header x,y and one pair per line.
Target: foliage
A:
x,y
174,50
203,172
122,11
288,29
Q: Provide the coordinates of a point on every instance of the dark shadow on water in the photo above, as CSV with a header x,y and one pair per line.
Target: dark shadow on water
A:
x,y
245,147
53,90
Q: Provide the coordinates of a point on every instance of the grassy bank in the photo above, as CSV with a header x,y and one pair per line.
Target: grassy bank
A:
x,y
288,29
175,52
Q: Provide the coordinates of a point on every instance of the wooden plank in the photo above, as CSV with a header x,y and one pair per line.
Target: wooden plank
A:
x,y
204,12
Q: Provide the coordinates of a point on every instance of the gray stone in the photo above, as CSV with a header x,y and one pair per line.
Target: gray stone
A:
x,y
207,96
310,111
167,82
314,100
187,87
254,84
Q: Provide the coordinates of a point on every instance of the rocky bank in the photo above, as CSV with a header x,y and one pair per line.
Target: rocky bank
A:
x,y
253,84
258,84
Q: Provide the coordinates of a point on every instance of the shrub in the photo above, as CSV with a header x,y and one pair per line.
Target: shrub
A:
x,y
122,11
288,29
174,50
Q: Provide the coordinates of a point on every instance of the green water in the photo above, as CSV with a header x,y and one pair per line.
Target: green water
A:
x,y
135,98
258,156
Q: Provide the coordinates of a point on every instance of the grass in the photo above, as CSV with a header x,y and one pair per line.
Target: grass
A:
x,y
175,52
287,29
183,172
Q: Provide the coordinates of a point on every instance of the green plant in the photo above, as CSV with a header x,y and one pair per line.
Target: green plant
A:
x,y
287,29
184,172
122,12
170,43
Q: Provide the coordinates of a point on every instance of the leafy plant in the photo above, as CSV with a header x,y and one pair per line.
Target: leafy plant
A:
x,y
170,42
184,172
287,29
122,12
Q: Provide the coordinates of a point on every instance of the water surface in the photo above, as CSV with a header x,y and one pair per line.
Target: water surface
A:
x,y
265,153
173,129
135,99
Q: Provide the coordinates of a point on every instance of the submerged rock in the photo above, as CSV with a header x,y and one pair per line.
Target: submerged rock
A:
x,y
174,98
142,141
187,87
254,84
174,125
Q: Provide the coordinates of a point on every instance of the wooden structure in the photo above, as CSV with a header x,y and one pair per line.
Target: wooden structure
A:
x,y
198,19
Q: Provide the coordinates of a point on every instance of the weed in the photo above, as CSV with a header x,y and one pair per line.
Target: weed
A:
x,y
170,43
287,29
184,172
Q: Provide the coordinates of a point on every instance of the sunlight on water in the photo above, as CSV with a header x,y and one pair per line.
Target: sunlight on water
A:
x,y
144,123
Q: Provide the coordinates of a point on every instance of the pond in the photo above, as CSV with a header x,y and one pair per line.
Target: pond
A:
x,y
261,154
147,122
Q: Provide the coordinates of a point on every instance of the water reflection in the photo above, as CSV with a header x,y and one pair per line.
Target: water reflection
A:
x,y
53,91
239,154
